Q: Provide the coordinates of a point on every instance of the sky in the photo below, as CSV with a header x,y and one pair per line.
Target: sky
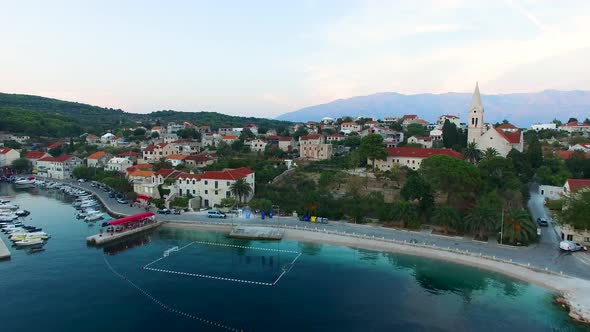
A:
x,y
266,58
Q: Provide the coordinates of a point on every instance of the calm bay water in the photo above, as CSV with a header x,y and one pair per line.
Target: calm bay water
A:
x,y
70,287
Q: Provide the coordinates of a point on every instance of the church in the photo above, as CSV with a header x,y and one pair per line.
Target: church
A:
x,y
502,138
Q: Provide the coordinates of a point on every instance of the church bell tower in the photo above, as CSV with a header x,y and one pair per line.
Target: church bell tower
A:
x,y
475,116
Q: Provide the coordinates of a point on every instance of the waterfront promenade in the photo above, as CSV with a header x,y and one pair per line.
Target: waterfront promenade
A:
x,y
544,255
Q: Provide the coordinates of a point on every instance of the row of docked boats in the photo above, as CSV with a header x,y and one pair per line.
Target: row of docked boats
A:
x,y
20,234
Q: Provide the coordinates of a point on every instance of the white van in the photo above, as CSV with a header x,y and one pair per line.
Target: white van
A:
x,y
571,246
215,214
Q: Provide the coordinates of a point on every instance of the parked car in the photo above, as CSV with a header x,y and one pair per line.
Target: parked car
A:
x,y
81,180
111,194
571,246
164,211
119,195
542,222
122,201
215,214
177,211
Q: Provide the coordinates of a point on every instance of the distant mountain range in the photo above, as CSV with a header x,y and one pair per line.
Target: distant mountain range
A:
x,y
521,109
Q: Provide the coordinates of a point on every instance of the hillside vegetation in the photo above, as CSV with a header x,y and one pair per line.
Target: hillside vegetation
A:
x,y
40,116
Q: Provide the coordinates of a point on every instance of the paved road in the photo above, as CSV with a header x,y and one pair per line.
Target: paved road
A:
x,y
546,254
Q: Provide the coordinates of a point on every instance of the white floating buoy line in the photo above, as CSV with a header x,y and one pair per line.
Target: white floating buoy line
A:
x,y
168,308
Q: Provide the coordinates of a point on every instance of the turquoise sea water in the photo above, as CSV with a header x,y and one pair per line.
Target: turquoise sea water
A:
x,y
72,287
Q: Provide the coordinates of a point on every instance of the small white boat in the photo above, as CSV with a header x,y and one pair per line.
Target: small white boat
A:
x,y
4,201
94,216
22,213
28,242
25,183
8,217
8,206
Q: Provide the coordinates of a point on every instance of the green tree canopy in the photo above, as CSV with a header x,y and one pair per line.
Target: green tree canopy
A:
x,y
415,129
372,148
417,188
455,177
576,210
21,165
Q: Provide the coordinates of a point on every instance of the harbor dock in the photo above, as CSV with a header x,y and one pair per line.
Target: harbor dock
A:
x,y
4,252
100,239
256,233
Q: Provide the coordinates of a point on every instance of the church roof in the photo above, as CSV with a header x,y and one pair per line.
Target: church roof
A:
x,y
511,137
506,126
476,100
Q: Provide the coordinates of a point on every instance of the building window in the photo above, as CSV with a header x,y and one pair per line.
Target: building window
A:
x,y
194,191
228,183
228,194
216,185
194,182
570,237
206,182
206,192
216,192
587,239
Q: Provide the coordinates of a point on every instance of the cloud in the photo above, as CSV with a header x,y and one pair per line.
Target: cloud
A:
x,y
357,60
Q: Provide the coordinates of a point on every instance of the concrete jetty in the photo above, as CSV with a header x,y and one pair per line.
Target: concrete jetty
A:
x,y
256,233
4,252
100,239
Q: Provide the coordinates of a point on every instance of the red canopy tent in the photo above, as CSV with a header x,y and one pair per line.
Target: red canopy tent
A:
x,y
129,219
144,197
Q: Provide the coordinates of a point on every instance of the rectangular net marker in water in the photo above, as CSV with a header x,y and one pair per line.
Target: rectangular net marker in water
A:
x,y
226,262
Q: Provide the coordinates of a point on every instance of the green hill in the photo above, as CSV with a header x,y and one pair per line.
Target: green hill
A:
x,y
40,116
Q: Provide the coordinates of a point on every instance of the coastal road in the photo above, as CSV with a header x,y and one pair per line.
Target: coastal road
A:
x,y
546,254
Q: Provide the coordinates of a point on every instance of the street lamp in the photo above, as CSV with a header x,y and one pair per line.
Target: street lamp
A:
x,y
502,229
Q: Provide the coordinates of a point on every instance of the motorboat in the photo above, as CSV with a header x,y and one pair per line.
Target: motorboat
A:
x,y
8,206
28,242
22,213
4,201
27,237
94,216
88,204
25,183
7,217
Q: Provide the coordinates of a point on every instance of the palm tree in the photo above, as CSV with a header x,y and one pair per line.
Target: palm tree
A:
x,y
404,211
447,217
490,153
518,227
482,221
472,153
241,188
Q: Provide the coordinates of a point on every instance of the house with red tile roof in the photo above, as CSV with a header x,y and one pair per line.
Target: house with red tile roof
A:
x,y
133,156
503,138
575,185
575,127
92,139
285,143
335,138
54,145
213,186
440,122
314,147
98,159
424,141
155,152
60,168
34,156
583,147
567,232
569,153
257,144
411,157
176,159
7,156
349,127
200,160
